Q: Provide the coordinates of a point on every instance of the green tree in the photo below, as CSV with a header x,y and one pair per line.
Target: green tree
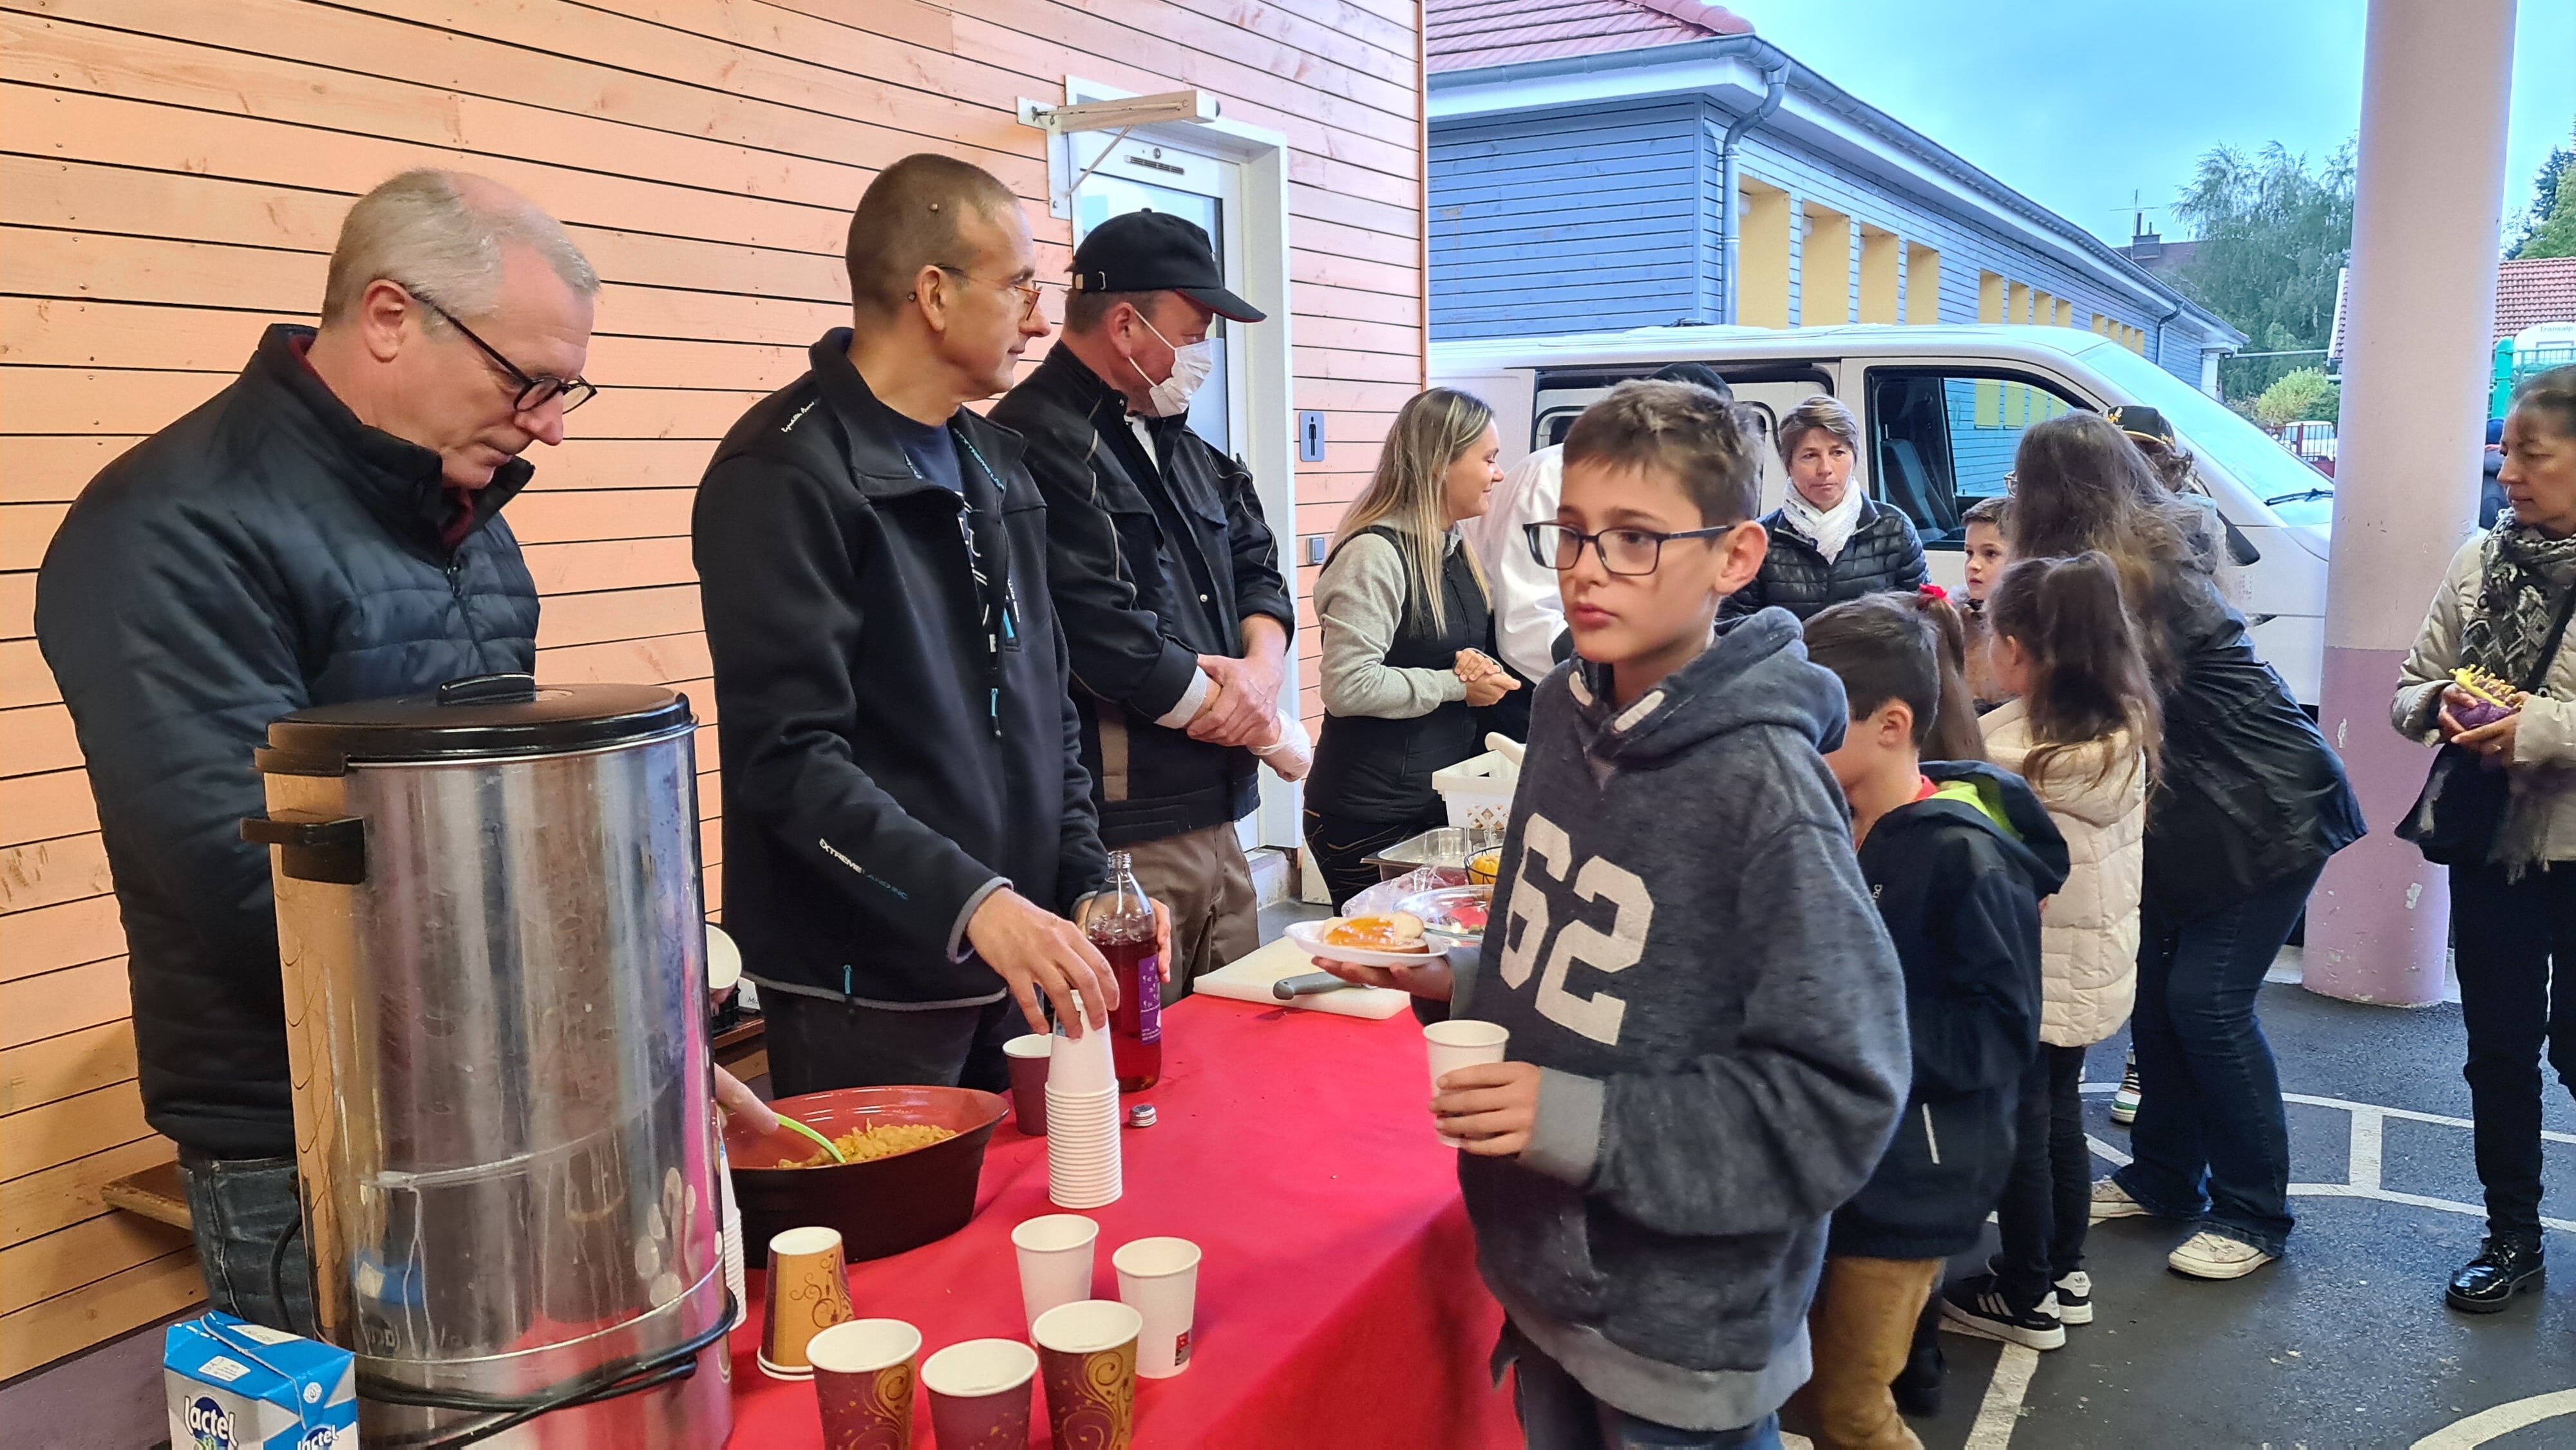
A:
x,y
2274,236
2552,232
2301,395
2549,227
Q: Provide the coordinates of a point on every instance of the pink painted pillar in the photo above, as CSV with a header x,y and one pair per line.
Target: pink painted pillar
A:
x,y
2436,76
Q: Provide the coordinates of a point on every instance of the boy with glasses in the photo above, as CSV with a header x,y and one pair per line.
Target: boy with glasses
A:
x,y
1708,1043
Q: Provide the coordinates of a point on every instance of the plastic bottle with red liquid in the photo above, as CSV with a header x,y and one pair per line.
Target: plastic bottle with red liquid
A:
x,y
1122,927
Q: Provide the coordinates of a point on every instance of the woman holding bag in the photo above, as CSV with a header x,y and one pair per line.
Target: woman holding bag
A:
x,y
2512,853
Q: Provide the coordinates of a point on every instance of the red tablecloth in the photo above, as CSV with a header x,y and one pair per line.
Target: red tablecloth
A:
x,y
1338,1300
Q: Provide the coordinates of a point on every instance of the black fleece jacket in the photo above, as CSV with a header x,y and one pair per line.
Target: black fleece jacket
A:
x,y
1959,890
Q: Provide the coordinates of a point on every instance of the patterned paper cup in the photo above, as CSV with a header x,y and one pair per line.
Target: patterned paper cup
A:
x,y
863,1377
809,1292
1087,1351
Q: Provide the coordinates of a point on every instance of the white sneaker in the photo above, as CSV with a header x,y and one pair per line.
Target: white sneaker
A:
x,y
2111,1201
2075,1298
2207,1255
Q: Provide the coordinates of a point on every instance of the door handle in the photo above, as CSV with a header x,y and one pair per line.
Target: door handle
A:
x,y
332,849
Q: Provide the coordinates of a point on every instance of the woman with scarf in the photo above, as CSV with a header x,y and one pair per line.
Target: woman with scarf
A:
x,y
1829,542
2502,611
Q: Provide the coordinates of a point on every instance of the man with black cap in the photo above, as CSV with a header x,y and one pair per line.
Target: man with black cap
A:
x,y
1163,570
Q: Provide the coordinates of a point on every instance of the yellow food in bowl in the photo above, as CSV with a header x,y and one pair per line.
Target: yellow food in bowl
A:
x,y
1484,866
861,1145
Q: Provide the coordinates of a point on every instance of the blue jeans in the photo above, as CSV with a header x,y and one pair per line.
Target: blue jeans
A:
x,y
249,1222
1559,1414
2211,1137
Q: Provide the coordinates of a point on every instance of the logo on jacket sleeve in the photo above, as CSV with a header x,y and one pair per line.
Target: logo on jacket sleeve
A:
x,y
1547,862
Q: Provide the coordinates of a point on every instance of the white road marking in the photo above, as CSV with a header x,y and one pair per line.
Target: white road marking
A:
x,y
2502,1420
2104,1150
2001,1411
2362,1166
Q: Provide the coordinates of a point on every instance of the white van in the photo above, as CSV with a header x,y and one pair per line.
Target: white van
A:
x,y
1942,409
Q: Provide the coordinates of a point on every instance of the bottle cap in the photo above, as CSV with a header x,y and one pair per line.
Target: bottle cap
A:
x,y
1141,1116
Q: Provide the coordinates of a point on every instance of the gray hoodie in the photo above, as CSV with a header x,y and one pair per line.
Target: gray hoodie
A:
x,y
1682,940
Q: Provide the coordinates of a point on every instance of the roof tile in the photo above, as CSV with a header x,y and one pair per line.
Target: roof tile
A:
x,y
1472,34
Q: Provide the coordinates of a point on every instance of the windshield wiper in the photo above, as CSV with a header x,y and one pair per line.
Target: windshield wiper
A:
x,y
2300,497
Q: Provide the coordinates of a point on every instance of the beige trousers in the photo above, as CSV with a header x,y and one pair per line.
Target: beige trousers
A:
x,y
1861,1328
1204,880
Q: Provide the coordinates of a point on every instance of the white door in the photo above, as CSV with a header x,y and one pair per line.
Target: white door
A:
x,y
1137,175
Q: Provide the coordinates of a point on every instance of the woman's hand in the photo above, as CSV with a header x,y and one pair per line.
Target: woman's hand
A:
x,y
2454,698
737,1098
1484,690
1492,1105
1430,981
2494,741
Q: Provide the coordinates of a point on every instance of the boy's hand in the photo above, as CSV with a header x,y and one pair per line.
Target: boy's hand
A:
x,y
1492,1105
1431,980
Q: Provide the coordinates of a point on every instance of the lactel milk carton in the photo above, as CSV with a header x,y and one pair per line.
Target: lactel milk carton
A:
x,y
237,1386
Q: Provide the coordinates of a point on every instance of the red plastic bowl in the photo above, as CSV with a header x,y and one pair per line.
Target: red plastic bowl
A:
x,y
882,1207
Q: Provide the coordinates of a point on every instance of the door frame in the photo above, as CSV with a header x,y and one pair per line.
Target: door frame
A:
x,y
1268,445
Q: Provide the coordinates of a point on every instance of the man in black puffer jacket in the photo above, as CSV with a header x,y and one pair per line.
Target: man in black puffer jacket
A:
x,y
325,529
1830,543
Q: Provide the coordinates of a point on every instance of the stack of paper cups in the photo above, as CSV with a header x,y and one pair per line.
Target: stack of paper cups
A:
x,y
1082,1122
729,1235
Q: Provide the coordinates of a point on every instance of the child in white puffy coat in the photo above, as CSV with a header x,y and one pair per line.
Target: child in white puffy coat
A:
x,y
2083,731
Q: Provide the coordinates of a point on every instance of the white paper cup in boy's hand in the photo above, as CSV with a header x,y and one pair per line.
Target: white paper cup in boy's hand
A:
x,y
1456,1044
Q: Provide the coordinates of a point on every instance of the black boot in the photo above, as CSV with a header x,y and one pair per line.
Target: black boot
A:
x,y
2487,1283
1918,1385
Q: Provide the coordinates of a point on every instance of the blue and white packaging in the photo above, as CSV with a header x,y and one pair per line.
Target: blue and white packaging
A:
x,y
237,1386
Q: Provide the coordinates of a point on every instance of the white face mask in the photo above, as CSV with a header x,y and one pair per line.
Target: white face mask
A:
x,y
1191,365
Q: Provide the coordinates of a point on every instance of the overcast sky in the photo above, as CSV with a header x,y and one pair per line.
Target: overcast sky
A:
x,y
2078,104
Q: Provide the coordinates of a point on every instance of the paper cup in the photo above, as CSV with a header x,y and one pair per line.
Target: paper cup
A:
x,y
1055,1261
1028,1056
863,1378
809,1292
1087,1353
1455,1044
1159,1279
979,1394
1081,1066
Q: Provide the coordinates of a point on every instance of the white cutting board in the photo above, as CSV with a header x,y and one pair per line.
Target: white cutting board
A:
x,y
1249,979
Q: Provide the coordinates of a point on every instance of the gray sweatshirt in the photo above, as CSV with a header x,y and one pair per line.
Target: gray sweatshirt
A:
x,y
1682,940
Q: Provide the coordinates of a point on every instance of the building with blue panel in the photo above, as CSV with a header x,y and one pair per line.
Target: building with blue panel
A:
x,y
1621,163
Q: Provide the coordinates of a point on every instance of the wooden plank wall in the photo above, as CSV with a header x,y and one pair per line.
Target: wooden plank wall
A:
x,y
172,173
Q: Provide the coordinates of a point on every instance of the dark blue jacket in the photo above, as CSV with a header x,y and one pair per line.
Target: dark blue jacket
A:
x,y
1960,895
1884,553
890,756
265,553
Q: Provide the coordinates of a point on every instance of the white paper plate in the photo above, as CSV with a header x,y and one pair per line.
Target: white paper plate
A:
x,y
1310,936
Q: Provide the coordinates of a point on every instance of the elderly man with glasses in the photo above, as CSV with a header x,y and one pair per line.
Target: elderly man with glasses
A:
x,y
325,529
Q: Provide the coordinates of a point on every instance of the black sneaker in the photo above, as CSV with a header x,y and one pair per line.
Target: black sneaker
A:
x,y
1918,1385
2075,1298
1979,1306
2124,1100
2488,1282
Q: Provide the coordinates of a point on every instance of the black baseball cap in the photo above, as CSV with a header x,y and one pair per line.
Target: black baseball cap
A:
x,y
2143,423
1155,251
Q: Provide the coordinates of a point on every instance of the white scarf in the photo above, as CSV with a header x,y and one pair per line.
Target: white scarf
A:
x,y
1828,529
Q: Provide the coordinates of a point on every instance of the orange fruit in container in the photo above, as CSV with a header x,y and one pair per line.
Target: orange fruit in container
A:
x,y
1484,866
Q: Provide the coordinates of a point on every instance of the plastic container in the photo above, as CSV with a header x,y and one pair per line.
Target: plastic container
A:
x,y
1478,791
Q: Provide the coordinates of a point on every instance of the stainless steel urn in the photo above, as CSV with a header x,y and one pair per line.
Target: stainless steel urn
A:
x,y
493,939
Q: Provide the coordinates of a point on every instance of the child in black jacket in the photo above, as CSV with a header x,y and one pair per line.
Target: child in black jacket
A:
x,y
1958,855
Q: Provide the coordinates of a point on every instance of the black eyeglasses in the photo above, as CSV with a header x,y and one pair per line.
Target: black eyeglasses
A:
x,y
535,389
1622,551
1029,292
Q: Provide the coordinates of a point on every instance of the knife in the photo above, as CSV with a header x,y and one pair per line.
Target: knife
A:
x,y
1306,984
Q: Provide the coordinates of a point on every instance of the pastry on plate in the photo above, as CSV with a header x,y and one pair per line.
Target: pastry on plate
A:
x,y
1395,931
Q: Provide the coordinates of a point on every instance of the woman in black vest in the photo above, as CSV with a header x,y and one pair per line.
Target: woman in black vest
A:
x,y
1408,635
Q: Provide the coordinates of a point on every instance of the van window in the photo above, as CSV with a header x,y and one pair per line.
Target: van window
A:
x,y
1941,440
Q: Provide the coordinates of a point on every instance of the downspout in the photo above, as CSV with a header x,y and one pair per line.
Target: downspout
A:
x,y
2159,358
1775,84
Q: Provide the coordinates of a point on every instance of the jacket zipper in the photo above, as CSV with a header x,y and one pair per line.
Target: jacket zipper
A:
x,y
1931,1140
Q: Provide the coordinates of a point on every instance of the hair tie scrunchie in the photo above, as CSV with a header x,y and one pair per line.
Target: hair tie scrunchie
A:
x,y
1933,591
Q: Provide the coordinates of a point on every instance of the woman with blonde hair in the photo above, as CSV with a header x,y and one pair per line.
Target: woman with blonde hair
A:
x,y
1408,635
1830,542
